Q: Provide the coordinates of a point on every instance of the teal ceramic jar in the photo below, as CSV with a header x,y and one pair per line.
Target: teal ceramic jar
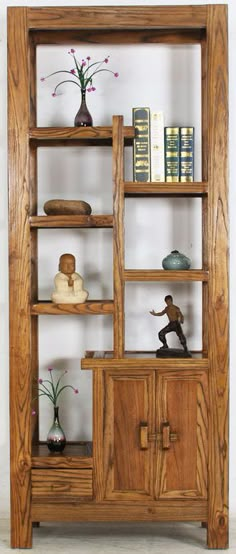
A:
x,y
176,260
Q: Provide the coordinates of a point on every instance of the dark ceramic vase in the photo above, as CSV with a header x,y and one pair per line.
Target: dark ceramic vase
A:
x,y
56,439
176,260
83,117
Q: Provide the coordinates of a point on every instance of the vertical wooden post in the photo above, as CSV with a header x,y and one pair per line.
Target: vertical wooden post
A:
x,y
19,200
118,234
217,91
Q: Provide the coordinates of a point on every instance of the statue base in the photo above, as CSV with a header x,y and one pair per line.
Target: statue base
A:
x,y
173,353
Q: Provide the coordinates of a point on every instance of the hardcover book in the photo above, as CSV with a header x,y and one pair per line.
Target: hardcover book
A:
x,y
141,148
157,147
186,154
172,147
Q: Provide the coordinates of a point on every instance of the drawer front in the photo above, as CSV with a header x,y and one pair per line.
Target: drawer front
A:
x,y
62,482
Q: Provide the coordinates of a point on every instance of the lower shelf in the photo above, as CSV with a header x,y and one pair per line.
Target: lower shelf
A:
x,y
75,456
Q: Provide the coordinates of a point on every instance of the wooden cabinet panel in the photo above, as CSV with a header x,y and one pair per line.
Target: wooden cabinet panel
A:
x,y
128,469
62,483
182,466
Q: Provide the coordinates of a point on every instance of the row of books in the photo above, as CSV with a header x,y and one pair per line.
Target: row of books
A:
x,y
161,153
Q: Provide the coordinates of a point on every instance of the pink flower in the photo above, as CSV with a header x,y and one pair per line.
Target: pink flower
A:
x,y
42,79
33,412
93,89
83,63
106,60
88,58
116,74
76,391
53,94
72,50
40,381
72,71
89,89
50,368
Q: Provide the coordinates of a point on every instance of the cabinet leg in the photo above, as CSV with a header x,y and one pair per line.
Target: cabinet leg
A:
x,y
218,534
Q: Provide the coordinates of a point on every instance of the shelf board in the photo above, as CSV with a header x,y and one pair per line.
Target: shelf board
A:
x,y
75,455
142,360
67,136
70,221
194,189
165,275
91,307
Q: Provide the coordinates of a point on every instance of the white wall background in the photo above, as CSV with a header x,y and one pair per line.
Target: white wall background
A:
x,y
153,227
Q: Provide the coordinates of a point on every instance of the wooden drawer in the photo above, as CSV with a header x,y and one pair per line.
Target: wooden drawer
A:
x,y
62,482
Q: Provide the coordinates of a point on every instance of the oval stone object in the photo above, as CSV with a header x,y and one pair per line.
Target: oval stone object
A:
x,y
67,207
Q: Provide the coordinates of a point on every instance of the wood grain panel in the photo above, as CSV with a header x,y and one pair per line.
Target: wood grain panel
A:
x,y
19,272
183,402
149,363
127,17
165,189
217,97
118,235
76,133
62,483
185,510
128,402
75,456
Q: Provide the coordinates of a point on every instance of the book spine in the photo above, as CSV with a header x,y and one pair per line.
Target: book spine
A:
x,y
186,154
172,147
157,147
141,148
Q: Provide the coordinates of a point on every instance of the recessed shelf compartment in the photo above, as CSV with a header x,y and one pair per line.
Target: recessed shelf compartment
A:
x,y
70,221
165,275
194,189
75,455
67,136
92,307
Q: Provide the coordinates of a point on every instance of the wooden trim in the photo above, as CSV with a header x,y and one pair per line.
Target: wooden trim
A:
x,y
127,17
165,275
76,133
165,189
70,221
148,363
118,235
217,91
91,307
19,269
182,510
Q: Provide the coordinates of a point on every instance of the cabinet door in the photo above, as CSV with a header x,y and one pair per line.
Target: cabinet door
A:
x,y
181,470
129,403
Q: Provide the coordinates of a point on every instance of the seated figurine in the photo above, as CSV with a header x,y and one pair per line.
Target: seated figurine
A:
x,y
68,284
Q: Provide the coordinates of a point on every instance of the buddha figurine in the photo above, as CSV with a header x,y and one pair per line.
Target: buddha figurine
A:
x,y
68,284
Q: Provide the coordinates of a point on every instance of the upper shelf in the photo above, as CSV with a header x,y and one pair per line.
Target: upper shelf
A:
x,y
70,221
66,136
165,275
169,189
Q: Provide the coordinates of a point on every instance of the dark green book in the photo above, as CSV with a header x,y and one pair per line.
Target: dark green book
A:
x,y
172,146
186,154
141,148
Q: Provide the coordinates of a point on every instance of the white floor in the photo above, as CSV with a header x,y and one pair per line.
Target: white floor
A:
x,y
112,538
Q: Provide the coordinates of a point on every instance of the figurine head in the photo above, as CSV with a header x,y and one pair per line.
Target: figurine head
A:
x,y
67,264
168,299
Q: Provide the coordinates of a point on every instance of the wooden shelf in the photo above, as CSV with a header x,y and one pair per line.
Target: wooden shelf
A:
x,y
142,360
92,307
67,136
76,455
194,189
70,221
165,275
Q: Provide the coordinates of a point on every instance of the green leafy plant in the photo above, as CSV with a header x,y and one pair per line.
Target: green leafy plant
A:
x,y
52,389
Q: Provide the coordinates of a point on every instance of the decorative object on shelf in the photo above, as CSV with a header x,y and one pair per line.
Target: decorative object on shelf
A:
x,y
84,72
68,284
67,207
56,439
175,260
176,318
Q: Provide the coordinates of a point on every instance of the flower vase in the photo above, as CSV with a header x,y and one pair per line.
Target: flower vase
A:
x,y
56,439
83,117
